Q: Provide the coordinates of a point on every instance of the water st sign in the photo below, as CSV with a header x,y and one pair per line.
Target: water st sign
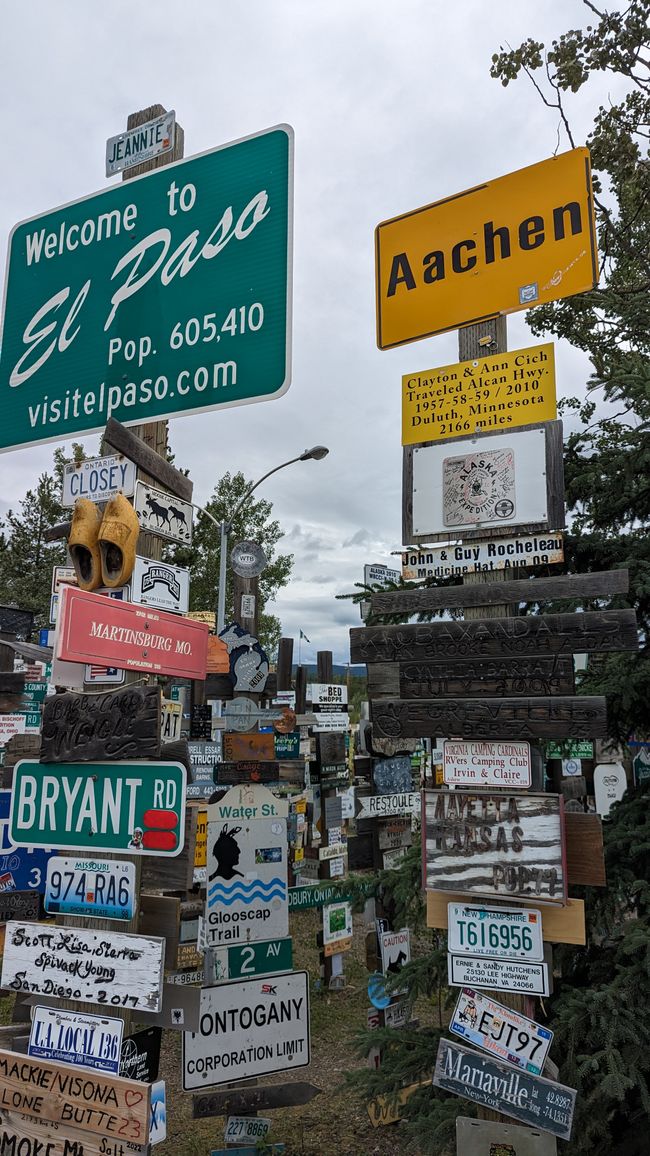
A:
x,y
21,868
521,240
90,887
260,958
530,1099
97,479
164,295
76,1038
504,932
137,145
247,881
248,1028
503,390
500,1031
100,807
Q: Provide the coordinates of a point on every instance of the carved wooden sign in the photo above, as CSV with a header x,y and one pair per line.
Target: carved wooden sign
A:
x,y
245,771
497,677
595,632
495,845
581,716
119,724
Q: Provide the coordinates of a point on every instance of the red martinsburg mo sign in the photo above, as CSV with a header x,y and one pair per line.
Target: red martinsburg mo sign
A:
x,y
92,628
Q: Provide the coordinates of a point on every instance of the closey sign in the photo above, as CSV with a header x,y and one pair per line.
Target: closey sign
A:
x,y
95,629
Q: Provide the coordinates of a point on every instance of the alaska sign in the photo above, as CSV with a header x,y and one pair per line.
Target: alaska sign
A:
x,y
521,240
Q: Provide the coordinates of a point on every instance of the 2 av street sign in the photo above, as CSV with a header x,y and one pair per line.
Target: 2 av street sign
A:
x,y
260,958
500,1031
99,807
248,1028
164,295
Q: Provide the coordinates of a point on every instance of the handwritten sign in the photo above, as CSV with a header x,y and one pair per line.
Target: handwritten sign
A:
x,y
103,967
118,724
495,844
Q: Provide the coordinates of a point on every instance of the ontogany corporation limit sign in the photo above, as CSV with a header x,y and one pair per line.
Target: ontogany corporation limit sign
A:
x,y
165,295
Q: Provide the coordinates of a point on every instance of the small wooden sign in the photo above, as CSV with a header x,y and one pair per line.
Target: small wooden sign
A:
x,y
118,724
494,677
231,1100
331,748
245,771
494,844
89,966
19,905
585,858
595,632
492,718
386,1109
485,1138
100,1103
485,1081
37,1137
559,924
248,747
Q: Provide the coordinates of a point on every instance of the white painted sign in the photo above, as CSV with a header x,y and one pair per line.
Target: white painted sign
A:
x,y
476,557
498,974
247,894
571,767
331,694
333,851
10,725
94,888
248,801
137,145
378,575
328,721
245,1128
98,479
380,806
63,576
103,967
161,585
76,1038
163,514
395,947
500,1031
506,932
248,1028
171,719
487,764
610,784
248,605
337,922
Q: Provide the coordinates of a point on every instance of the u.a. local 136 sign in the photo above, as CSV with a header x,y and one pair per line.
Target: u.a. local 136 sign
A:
x,y
248,1028
94,629
76,1038
521,240
99,807
164,295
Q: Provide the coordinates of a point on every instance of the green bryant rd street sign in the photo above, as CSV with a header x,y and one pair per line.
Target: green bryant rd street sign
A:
x,y
165,295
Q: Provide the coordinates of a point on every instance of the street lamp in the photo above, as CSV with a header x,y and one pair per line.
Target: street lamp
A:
x,y
316,453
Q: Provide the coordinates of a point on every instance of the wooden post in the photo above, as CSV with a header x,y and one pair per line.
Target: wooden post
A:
x,y
285,663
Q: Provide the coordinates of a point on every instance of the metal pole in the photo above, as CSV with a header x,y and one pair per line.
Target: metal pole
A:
x,y
221,593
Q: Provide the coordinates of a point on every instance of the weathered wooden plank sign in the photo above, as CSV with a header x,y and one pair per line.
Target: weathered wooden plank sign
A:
x,y
32,1137
585,858
560,924
496,677
137,807
284,1095
494,844
485,1138
119,724
595,632
597,584
248,747
19,905
531,1099
492,718
381,806
99,1103
98,967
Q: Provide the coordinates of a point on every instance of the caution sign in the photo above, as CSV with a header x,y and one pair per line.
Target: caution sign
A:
x,y
248,1028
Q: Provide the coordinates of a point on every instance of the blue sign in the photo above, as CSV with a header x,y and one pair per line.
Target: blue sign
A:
x,y
21,868
377,991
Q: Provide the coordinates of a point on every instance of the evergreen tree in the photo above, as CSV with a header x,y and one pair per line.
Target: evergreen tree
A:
x,y
253,523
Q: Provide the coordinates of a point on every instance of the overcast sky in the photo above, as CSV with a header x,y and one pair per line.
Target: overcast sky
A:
x,y
393,107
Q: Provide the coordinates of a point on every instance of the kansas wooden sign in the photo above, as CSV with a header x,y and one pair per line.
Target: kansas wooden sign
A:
x,y
488,1082
594,632
89,1101
581,716
98,967
119,724
472,678
494,844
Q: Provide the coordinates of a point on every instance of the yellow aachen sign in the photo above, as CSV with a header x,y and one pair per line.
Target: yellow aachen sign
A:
x,y
497,392
522,240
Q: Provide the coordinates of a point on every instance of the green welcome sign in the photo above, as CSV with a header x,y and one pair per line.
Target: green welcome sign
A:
x,y
99,807
165,295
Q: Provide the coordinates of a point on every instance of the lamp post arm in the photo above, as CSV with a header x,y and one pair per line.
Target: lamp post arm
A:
x,y
259,483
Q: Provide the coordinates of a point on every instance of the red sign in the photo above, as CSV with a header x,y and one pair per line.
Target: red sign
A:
x,y
92,628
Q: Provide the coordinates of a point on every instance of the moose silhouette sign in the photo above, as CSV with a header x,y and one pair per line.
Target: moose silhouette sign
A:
x,y
163,514
247,895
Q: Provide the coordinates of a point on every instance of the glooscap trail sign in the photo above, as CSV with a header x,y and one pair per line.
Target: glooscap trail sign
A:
x,y
485,1081
248,1028
100,807
164,295
500,1031
98,967
521,240
247,881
